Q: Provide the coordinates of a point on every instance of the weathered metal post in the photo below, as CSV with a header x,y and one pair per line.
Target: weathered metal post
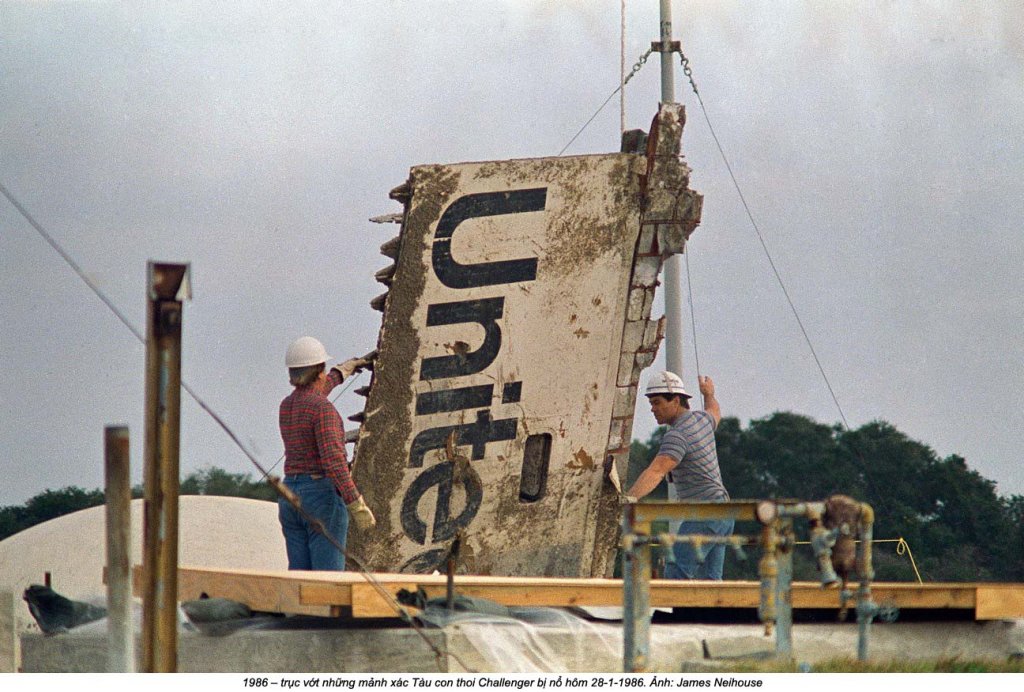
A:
x,y
121,651
168,287
768,570
866,608
636,592
785,539
784,590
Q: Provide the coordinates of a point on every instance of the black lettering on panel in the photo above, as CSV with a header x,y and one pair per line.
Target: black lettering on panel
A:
x,y
443,476
459,399
455,275
426,562
477,434
511,392
486,312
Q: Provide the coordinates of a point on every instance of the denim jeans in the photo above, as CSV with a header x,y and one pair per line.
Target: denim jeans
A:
x,y
308,549
687,564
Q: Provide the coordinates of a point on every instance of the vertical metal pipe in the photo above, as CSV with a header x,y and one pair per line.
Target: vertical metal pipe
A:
x,y
784,592
768,571
168,286
866,608
622,67
152,500
121,645
636,594
673,273
668,86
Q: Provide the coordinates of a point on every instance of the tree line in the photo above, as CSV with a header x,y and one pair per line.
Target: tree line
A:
x,y
50,504
957,526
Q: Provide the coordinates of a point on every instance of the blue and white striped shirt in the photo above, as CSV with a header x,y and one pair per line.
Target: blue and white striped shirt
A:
x,y
690,441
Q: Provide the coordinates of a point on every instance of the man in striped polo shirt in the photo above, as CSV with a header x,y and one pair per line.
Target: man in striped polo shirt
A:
x,y
316,464
689,458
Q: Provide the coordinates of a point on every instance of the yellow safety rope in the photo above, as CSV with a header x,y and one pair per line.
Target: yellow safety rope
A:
x,y
901,547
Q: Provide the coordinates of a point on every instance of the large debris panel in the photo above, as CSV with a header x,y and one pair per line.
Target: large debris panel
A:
x,y
514,332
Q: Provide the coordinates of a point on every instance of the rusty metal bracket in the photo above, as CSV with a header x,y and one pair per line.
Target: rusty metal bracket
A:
x,y
673,47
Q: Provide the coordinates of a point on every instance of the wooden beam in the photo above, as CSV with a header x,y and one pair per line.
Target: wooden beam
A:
x,y
999,602
328,593
608,592
367,602
268,592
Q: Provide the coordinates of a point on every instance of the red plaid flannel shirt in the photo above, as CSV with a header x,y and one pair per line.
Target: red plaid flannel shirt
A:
x,y
314,437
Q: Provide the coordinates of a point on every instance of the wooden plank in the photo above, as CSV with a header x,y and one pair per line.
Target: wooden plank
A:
x,y
367,602
263,592
538,595
703,594
258,592
999,602
931,596
318,593
664,593
326,593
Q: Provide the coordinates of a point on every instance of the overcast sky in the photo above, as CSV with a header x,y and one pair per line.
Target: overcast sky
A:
x,y
879,145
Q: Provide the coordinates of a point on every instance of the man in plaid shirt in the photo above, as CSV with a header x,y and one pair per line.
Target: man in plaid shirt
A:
x,y
316,465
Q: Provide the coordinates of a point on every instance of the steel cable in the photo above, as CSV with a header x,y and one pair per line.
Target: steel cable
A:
x,y
273,481
636,68
687,70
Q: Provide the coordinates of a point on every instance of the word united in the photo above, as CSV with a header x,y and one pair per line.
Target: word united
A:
x,y
487,312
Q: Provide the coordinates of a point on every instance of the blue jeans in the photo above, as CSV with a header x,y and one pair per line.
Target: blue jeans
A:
x,y
307,548
687,565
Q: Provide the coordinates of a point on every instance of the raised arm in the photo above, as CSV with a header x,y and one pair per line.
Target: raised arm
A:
x,y
707,390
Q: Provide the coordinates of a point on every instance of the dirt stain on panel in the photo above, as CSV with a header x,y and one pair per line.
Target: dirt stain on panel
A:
x,y
382,452
581,460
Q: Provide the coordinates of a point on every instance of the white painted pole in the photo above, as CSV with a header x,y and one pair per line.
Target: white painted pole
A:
x,y
673,292
673,273
668,87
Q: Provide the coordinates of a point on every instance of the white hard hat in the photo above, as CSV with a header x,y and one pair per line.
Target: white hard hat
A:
x,y
665,382
305,351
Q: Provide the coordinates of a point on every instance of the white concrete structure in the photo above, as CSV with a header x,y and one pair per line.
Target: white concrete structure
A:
x,y
214,532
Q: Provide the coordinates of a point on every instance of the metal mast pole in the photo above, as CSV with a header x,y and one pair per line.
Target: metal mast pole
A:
x,y
673,294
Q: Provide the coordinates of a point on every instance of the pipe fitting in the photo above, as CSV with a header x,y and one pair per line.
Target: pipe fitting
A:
x,y
822,541
768,568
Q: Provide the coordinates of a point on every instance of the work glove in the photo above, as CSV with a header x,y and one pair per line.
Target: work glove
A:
x,y
350,366
361,514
